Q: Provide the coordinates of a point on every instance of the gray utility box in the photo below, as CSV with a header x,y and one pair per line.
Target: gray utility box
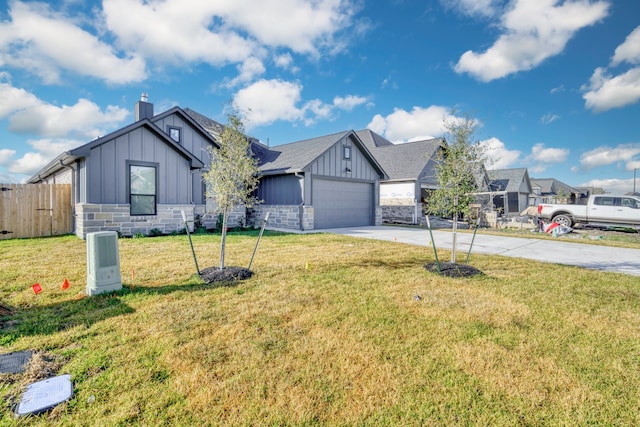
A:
x,y
103,263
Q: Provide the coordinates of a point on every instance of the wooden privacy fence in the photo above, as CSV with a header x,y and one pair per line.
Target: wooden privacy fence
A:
x,y
35,210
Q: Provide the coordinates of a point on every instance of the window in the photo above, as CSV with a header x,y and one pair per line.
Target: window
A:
x,y
603,201
347,152
628,202
142,189
175,133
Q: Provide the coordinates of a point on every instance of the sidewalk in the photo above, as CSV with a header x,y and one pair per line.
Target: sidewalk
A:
x,y
606,258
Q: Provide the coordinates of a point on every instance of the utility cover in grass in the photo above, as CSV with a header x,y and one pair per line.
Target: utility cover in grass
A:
x,y
44,395
227,274
14,363
452,269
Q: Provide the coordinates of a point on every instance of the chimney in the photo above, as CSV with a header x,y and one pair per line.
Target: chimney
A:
x,y
143,109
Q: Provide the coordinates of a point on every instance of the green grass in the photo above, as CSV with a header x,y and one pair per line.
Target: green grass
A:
x,y
327,332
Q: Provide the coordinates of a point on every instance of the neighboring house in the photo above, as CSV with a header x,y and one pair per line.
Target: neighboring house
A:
x,y
509,190
411,169
139,178
326,182
550,190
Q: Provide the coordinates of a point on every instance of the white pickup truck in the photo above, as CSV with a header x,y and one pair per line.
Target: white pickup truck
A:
x,y
601,210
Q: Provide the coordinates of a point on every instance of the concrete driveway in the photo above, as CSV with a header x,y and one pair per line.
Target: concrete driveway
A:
x,y
620,260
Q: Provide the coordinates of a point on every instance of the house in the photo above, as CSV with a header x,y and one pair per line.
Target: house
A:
x,y
139,178
509,190
325,182
550,190
411,169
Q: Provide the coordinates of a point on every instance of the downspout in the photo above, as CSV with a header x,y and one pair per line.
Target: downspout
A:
x,y
74,193
301,206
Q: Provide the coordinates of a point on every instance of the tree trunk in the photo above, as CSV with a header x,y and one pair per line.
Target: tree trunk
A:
x,y
224,237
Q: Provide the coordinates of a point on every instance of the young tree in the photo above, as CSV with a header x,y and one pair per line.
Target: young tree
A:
x,y
459,170
233,176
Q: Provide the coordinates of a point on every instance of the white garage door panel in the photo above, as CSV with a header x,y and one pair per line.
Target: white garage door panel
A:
x,y
342,203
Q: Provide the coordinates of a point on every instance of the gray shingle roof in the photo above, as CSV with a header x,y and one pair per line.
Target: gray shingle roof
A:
x,y
408,161
295,156
553,186
508,180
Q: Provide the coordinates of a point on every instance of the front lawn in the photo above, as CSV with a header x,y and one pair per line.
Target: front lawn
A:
x,y
330,330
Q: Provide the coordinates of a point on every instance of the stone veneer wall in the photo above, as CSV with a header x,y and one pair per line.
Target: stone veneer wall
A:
x,y
291,217
93,217
401,214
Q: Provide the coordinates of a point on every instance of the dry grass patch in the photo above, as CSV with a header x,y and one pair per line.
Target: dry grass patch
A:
x,y
328,331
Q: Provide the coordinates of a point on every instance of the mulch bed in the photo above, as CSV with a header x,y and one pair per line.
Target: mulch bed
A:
x,y
227,274
450,269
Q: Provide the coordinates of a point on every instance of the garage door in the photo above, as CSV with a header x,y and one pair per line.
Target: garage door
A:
x,y
342,203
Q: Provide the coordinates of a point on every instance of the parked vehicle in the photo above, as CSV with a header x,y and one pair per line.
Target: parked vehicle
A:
x,y
601,210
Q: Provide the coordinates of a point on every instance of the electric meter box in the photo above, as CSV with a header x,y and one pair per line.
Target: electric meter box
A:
x,y
103,263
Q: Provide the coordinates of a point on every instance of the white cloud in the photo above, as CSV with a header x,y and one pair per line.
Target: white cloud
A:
x,y
247,71
267,101
5,155
498,156
283,61
619,186
176,31
226,31
419,123
603,156
629,51
481,8
548,155
14,99
606,91
549,118
84,119
558,89
533,30
115,43
349,102
45,151
28,114
43,42
29,164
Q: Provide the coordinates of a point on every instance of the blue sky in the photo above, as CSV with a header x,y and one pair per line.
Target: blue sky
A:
x,y
554,84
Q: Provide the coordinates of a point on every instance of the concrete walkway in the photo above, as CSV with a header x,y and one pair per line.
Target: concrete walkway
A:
x,y
606,258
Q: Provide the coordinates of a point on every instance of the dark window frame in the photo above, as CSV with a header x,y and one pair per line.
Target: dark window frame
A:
x,y
346,152
171,128
155,166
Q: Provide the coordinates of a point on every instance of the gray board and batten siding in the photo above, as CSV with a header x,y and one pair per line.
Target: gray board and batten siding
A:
x,y
104,169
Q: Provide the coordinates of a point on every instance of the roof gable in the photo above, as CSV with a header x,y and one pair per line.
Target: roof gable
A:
x,y
84,150
406,161
296,156
509,180
553,186
189,118
68,157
